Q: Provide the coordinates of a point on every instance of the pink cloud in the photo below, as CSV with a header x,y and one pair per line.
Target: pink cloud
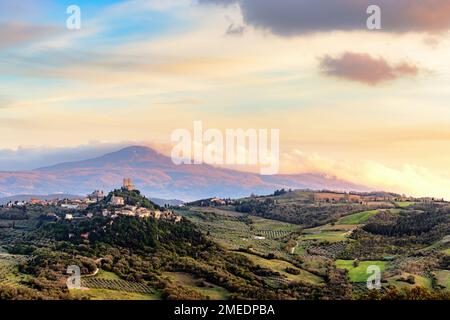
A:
x,y
365,69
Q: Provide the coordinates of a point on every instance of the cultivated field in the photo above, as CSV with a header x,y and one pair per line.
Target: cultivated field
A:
x,y
359,273
208,289
108,286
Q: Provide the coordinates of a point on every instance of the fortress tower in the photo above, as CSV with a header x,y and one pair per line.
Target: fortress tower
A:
x,y
128,184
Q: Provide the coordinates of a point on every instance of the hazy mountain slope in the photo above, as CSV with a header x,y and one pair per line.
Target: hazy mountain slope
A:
x,y
28,197
155,175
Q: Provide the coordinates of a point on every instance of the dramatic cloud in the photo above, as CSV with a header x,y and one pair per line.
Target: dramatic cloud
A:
x,y
410,179
292,17
365,69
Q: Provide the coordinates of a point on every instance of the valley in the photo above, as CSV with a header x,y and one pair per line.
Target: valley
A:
x,y
296,244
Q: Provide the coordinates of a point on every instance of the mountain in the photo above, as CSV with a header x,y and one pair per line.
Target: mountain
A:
x,y
163,202
156,176
28,197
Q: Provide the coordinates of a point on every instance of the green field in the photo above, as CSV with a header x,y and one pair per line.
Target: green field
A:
x,y
330,236
359,273
443,277
419,281
107,275
186,280
280,267
358,218
405,204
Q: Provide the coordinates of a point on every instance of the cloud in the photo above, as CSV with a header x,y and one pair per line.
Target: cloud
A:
x,y
235,30
293,17
18,33
363,68
409,179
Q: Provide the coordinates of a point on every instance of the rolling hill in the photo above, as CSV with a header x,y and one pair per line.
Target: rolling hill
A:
x,y
155,175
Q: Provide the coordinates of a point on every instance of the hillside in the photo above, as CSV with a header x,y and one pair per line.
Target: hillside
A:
x,y
289,245
127,256
157,176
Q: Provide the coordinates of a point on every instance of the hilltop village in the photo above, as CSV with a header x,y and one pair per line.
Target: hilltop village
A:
x,y
126,201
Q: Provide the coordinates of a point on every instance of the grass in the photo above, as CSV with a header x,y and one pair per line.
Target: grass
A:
x,y
446,251
107,275
404,204
359,273
328,232
443,277
419,281
186,280
105,294
9,271
267,224
280,267
358,218
330,236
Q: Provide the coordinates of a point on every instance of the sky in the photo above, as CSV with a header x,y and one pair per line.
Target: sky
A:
x,y
369,106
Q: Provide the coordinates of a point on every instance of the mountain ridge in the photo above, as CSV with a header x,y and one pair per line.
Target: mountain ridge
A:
x,y
155,174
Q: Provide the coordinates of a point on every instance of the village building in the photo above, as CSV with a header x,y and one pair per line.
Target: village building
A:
x,y
117,201
37,201
143,213
96,196
127,213
218,201
70,206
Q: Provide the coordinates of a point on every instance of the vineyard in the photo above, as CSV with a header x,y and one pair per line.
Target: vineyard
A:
x,y
116,284
273,234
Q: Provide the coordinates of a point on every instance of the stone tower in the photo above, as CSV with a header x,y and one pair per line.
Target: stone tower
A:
x,y
128,184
